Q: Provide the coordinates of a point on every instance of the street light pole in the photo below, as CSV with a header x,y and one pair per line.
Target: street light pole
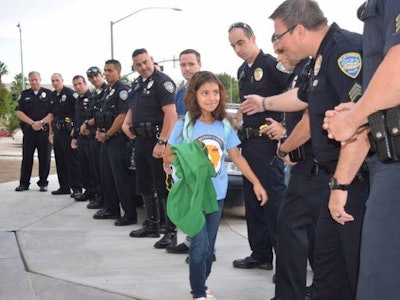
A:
x,y
22,61
112,23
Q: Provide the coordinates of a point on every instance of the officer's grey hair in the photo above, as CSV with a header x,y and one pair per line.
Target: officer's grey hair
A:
x,y
34,73
304,12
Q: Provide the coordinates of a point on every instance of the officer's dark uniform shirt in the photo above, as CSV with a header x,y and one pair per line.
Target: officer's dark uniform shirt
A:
x,y
63,106
82,110
113,103
335,78
379,36
36,106
262,78
149,96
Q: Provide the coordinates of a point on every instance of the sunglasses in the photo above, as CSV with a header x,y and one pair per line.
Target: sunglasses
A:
x,y
241,25
277,37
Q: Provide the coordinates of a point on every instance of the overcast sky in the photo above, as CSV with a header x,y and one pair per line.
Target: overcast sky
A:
x,y
69,36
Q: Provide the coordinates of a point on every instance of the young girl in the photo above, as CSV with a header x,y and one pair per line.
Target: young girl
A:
x,y
205,100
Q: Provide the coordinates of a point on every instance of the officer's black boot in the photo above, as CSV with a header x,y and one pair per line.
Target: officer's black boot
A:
x,y
150,226
170,234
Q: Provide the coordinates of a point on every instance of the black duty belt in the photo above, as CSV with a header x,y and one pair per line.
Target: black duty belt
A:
x,y
147,130
62,125
246,133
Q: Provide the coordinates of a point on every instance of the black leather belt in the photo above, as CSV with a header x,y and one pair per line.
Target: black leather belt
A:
x,y
246,133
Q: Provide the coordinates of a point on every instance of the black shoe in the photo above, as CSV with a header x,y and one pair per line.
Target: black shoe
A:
x,y
61,192
43,188
178,249
187,258
169,239
125,221
76,193
95,204
104,214
149,229
21,188
251,263
81,196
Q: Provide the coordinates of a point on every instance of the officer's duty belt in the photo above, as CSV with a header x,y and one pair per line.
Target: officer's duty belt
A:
x,y
62,125
147,130
246,133
330,167
301,153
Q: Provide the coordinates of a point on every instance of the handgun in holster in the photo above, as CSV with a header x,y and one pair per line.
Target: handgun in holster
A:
x,y
379,137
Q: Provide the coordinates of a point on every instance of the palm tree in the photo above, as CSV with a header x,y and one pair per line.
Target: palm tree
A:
x,y
3,70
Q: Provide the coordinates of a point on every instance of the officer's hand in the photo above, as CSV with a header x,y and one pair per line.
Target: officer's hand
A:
x,y
336,122
84,130
51,138
36,126
337,202
252,104
74,144
158,151
260,193
275,130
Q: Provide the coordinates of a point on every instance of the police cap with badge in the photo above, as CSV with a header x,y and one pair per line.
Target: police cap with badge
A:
x,y
93,71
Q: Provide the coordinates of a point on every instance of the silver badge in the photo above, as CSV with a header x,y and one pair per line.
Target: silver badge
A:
x,y
43,95
123,95
75,95
85,101
63,98
150,84
317,65
169,86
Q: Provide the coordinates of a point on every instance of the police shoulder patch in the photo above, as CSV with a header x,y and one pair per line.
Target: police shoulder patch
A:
x,y
350,64
169,86
123,95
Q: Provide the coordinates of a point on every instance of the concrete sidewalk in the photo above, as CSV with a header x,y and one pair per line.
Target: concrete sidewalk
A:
x,y
52,248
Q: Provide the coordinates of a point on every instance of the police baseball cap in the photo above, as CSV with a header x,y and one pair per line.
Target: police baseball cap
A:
x,y
93,71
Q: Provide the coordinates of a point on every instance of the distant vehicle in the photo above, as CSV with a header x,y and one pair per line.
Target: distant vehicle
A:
x,y
4,132
234,195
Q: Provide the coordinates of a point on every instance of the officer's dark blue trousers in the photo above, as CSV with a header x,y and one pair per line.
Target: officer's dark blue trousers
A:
x,y
262,220
336,255
85,166
95,164
297,220
150,175
66,161
35,140
115,178
380,243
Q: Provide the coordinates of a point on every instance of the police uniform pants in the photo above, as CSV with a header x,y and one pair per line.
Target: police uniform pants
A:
x,y
336,255
297,220
66,161
261,220
35,140
150,175
115,178
380,242
95,164
85,166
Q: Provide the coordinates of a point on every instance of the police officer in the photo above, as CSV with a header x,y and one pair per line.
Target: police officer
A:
x,y
297,217
151,116
63,112
259,75
33,110
88,129
379,258
301,30
82,142
114,157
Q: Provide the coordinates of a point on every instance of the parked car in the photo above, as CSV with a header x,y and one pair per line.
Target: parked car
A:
x,y
234,195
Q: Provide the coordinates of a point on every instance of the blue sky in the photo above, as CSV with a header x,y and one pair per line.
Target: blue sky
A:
x,y
70,36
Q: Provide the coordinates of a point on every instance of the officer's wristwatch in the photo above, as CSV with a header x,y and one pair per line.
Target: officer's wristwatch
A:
x,y
86,122
334,185
161,142
281,153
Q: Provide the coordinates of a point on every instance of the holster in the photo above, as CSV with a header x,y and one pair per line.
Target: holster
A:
x,y
385,134
147,130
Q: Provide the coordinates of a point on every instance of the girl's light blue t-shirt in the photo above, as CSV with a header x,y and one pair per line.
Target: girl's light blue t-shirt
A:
x,y
213,136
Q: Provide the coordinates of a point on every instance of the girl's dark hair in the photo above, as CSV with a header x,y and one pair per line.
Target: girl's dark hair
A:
x,y
190,99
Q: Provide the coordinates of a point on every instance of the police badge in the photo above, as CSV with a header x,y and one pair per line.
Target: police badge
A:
x,y
43,95
75,95
258,74
317,65
63,98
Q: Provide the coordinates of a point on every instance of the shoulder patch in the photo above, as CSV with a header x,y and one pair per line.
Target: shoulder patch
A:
x,y
169,86
123,95
350,64
397,24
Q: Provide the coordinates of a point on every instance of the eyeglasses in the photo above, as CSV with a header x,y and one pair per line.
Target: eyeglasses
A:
x,y
241,25
277,37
